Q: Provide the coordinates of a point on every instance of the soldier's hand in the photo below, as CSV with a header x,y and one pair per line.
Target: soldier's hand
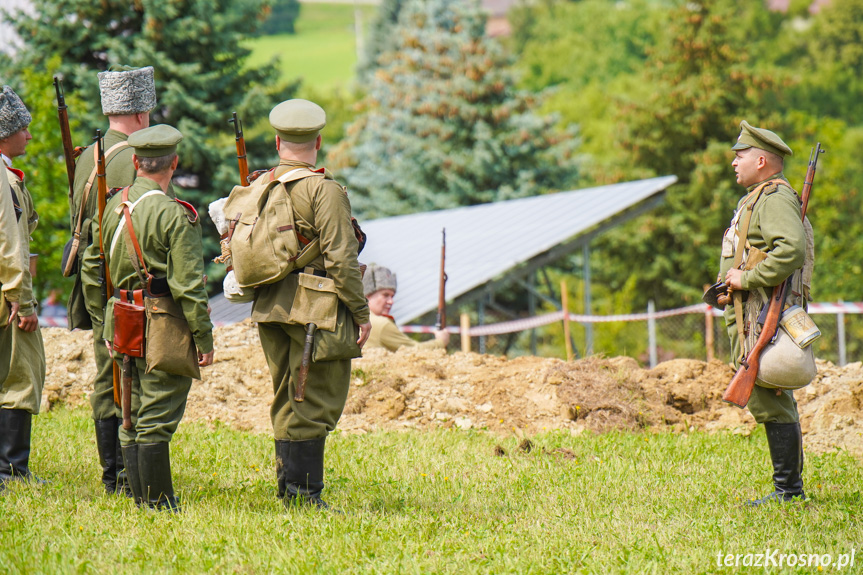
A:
x,y
13,313
28,323
205,359
365,330
442,335
733,279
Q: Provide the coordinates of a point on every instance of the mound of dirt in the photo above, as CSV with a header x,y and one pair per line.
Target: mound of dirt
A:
x,y
428,388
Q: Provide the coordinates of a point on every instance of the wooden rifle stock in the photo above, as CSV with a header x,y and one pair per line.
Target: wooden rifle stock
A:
x,y
242,162
65,134
104,274
740,388
441,298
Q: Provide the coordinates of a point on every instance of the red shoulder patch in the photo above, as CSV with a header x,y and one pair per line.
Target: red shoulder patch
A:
x,y
18,173
191,212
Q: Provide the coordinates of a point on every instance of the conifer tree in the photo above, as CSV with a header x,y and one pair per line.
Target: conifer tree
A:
x,y
443,124
201,75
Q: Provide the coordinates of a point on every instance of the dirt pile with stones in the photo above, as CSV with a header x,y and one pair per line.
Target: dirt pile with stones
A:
x,y
419,389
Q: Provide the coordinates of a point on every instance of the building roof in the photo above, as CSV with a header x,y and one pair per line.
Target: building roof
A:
x,y
486,243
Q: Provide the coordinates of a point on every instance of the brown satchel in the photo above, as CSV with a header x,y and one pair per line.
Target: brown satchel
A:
x,y
129,323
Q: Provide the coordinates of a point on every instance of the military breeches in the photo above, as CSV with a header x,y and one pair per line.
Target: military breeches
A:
x,y
102,398
764,405
158,404
22,369
326,386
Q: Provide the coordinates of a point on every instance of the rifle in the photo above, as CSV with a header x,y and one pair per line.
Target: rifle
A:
x,y
740,388
104,274
441,297
69,153
242,162
300,393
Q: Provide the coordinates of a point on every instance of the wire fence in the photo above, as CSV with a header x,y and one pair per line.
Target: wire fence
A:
x,y
693,332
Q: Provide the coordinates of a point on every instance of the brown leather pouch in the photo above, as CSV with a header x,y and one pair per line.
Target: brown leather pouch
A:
x,y
130,323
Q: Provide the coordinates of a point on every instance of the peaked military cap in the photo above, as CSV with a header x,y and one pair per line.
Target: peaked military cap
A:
x,y
156,141
377,278
762,139
127,90
298,120
14,116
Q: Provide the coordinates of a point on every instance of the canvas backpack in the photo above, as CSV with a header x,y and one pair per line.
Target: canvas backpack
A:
x,y
262,238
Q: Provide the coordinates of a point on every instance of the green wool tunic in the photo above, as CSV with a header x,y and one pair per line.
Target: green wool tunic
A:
x,y
172,249
777,229
119,173
321,210
22,354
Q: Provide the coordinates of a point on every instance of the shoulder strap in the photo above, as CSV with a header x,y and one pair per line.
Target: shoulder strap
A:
x,y
89,185
130,206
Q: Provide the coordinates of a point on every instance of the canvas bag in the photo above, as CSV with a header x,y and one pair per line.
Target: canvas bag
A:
x,y
261,235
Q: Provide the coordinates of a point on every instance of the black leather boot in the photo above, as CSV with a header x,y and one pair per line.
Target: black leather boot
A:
x,y
110,456
304,473
15,426
154,466
283,454
133,474
786,450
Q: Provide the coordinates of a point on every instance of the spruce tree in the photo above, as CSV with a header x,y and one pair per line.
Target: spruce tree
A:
x,y
200,66
443,124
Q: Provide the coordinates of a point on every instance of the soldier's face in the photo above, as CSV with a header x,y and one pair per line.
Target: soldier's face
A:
x,y
381,302
16,144
747,165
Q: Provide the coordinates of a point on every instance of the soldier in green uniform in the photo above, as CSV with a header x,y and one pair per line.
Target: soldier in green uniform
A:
x,y
128,96
321,211
169,236
379,285
22,355
777,245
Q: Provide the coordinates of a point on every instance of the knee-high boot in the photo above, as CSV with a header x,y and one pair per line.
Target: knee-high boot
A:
x,y
304,472
110,455
154,465
785,441
15,427
133,474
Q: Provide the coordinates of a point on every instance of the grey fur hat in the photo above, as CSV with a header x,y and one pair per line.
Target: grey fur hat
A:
x,y
127,90
14,116
377,278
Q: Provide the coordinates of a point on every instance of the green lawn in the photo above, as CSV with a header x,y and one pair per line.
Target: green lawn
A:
x,y
434,502
322,52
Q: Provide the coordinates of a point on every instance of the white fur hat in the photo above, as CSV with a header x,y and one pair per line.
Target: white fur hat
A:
x,y
127,90
14,116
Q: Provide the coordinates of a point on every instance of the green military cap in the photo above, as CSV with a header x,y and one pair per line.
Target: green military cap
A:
x,y
762,139
156,141
298,120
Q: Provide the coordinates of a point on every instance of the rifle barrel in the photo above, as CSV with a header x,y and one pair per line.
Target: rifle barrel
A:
x,y
65,134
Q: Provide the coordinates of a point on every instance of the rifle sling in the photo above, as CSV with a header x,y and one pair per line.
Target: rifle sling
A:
x,y
89,185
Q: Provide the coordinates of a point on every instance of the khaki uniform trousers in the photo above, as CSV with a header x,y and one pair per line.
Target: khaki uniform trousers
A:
x,y
22,369
326,386
102,398
158,404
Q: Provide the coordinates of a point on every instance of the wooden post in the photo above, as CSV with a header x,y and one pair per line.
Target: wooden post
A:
x,y
708,330
564,304
465,333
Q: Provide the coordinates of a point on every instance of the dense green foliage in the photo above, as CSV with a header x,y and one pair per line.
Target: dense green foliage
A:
x,y
443,125
196,49
660,88
435,502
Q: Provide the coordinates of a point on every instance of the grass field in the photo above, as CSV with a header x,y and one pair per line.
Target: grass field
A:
x,y
435,502
322,52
